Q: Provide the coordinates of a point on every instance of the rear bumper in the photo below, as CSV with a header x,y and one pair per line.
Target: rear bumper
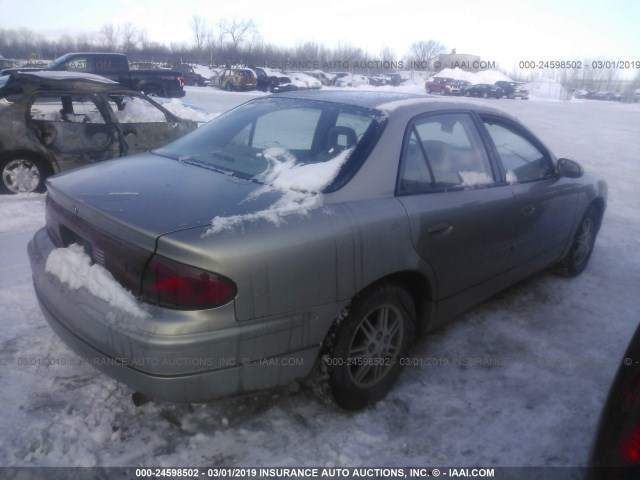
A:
x,y
168,355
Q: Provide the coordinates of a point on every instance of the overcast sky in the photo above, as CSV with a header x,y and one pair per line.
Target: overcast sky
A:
x,y
497,30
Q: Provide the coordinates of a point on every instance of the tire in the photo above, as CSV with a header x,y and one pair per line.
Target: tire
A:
x,y
429,91
582,246
229,87
152,91
378,331
23,174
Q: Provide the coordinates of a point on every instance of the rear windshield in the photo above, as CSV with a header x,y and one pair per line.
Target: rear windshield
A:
x,y
261,136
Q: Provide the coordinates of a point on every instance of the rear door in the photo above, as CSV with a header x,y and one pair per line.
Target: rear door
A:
x,y
73,128
143,125
458,211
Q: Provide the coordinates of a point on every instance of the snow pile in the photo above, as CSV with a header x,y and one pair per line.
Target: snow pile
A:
x,y
206,72
23,212
299,185
139,111
188,112
484,76
73,267
544,88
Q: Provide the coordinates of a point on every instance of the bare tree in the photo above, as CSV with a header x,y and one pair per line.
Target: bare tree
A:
x,y
111,36
348,54
238,31
387,55
199,29
129,37
425,52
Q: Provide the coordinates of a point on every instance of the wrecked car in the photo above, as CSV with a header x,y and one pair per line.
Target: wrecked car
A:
x,y
54,121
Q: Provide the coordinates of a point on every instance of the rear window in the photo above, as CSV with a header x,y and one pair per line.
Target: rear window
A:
x,y
255,138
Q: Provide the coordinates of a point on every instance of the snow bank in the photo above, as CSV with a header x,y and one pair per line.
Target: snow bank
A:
x,y
300,186
73,267
484,76
547,89
188,112
23,212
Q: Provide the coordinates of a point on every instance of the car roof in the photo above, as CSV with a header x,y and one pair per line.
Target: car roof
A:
x,y
23,81
388,101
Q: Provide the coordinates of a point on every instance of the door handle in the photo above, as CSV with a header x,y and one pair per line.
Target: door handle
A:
x,y
129,131
528,210
440,230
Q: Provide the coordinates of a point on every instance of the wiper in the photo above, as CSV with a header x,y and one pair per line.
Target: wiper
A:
x,y
191,160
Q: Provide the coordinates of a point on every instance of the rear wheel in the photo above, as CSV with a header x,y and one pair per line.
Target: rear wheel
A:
x,y
364,361
576,260
153,91
23,174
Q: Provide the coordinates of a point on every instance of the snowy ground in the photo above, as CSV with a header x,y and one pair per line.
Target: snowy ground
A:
x,y
517,381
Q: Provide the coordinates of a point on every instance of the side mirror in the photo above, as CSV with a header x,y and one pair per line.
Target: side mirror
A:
x,y
569,168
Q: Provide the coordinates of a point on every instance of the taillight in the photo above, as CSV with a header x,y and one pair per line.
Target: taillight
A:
x,y
631,447
181,81
182,287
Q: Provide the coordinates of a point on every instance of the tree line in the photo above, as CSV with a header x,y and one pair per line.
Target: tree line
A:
x,y
238,41
229,42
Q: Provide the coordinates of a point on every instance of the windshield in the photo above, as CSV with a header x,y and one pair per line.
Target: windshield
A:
x,y
266,135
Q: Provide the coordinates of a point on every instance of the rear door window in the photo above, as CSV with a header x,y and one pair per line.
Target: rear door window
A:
x,y
444,151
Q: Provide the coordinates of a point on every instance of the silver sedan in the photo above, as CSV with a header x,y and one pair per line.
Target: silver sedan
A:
x,y
303,234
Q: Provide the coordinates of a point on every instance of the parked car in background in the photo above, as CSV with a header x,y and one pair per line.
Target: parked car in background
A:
x,y
608,96
513,90
236,79
325,78
336,76
464,86
302,81
484,90
304,232
352,80
191,77
115,66
274,81
616,448
55,121
443,86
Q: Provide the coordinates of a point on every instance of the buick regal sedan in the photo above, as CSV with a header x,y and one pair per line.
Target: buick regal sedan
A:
x,y
304,234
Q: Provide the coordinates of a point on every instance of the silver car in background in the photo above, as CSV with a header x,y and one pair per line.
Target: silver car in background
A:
x,y
304,233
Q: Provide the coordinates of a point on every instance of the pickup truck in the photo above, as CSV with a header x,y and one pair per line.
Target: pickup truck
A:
x,y
161,83
443,86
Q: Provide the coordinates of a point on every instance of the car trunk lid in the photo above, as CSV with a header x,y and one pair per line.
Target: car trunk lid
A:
x,y
118,209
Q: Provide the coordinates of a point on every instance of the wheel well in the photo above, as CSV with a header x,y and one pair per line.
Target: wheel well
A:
x,y
150,86
598,204
417,286
51,166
